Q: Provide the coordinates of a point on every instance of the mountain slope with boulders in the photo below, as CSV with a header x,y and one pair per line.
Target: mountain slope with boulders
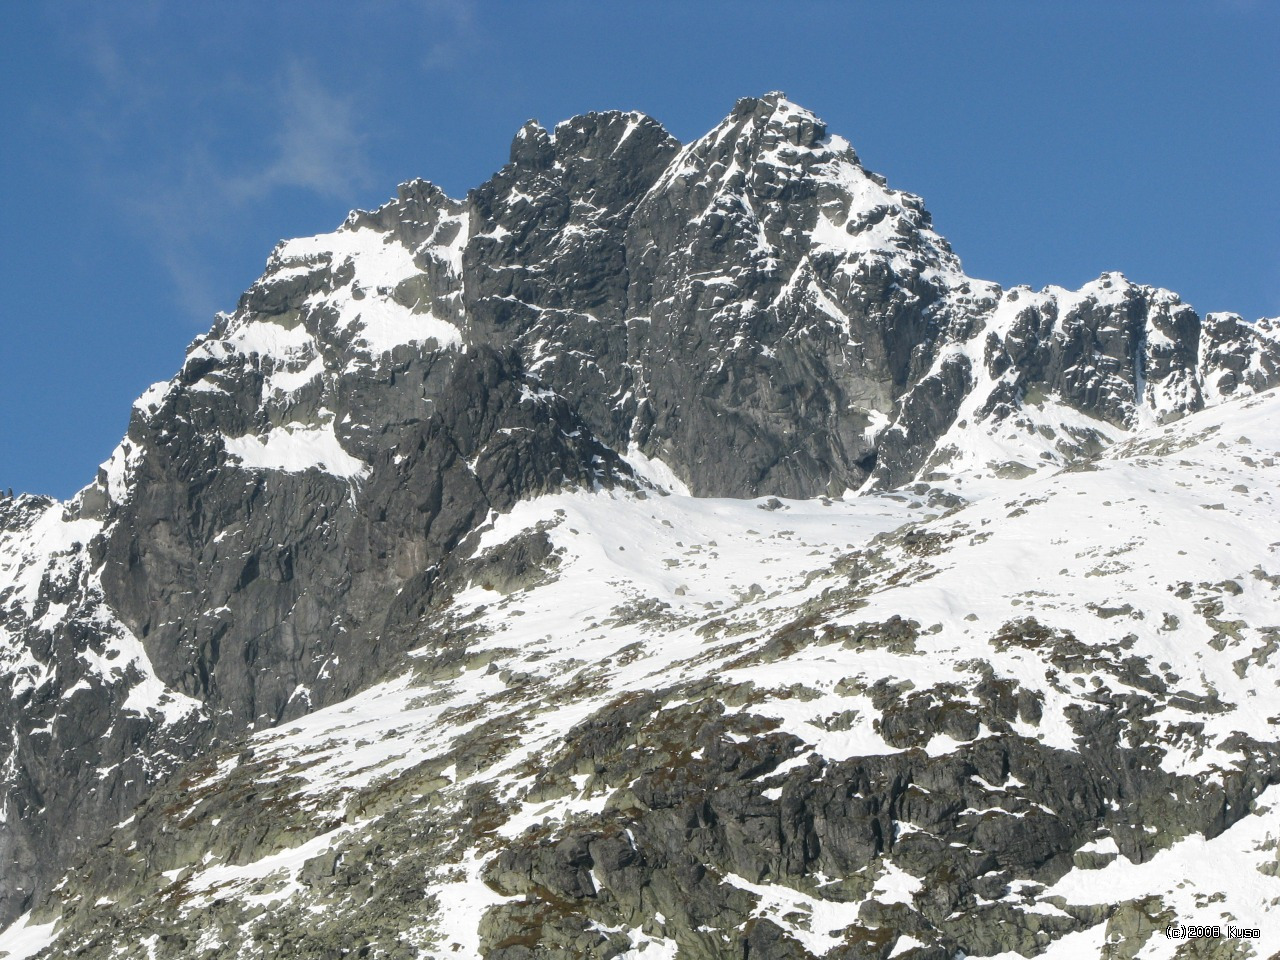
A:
x,y
665,551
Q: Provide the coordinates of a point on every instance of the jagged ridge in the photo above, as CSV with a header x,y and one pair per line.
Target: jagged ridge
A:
x,y
751,314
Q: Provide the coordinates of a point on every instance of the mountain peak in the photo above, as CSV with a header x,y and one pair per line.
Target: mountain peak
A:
x,y
531,146
590,136
778,120
345,471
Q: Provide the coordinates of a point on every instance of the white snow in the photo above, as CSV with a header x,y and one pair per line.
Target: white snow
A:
x,y
295,448
823,923
348,321
289,381
267,338
24,939
380,260
463,899
268,880
118,469
645,947
654,472
152,397
384,325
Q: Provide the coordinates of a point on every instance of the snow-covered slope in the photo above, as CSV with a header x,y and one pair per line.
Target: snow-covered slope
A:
x,y
1042,714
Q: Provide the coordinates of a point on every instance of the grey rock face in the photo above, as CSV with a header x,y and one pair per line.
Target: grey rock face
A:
x,y
80,707
790,341
754,309
685,811
546,269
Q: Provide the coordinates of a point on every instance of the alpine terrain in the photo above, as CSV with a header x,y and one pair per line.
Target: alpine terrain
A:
x,y
666,551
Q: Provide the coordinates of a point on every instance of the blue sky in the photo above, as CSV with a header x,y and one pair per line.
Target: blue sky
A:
x,y
153,153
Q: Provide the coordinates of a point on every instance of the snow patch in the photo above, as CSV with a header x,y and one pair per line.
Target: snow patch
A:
x,y
296,449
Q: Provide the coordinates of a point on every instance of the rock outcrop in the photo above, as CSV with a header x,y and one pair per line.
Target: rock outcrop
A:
x,y
752,314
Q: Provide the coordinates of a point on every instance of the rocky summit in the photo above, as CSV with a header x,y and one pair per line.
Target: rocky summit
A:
x,y
666,551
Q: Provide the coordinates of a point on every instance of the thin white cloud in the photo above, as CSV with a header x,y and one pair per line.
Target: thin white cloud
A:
x,y
451,25
318,145
187,200
188,165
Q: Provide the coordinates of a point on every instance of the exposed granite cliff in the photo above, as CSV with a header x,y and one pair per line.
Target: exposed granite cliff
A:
x,y
750,314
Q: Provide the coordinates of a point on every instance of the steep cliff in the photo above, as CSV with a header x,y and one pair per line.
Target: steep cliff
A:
x,y
306,512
